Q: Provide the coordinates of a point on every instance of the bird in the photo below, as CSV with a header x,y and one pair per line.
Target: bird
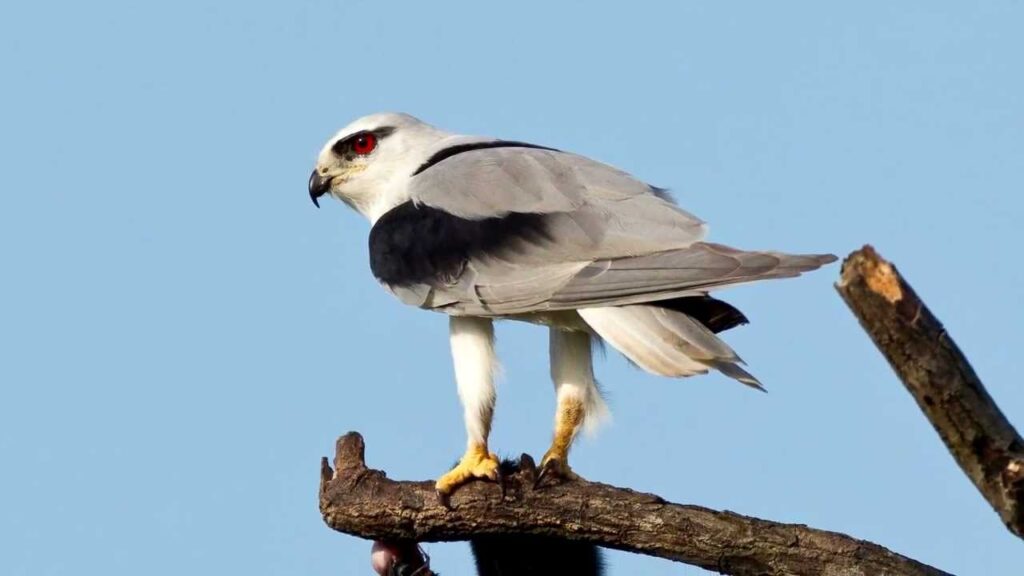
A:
x,y
485,229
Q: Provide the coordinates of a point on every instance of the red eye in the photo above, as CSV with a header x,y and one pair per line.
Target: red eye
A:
x,y
364,143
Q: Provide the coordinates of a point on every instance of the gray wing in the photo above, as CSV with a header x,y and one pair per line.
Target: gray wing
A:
x,y
494,182
606,238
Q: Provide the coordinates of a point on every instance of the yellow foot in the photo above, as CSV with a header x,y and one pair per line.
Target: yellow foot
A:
x,y
477,463
555,464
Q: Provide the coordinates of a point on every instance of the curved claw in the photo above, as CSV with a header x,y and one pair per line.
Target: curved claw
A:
x,y
502,481
444,499
554,467
544,472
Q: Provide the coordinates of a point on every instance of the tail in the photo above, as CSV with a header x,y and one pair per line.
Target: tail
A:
x,y
666,342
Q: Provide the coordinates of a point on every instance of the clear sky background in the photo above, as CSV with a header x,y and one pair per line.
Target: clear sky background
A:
x,y
183,335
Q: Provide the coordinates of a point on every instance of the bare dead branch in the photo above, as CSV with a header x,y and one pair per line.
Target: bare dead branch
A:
x,y
363,502
982,441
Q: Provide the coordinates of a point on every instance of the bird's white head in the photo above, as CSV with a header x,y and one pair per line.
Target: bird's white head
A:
x,y
367,163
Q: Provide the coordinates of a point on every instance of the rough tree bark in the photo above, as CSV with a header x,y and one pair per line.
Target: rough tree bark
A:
x,y
982,441
363,502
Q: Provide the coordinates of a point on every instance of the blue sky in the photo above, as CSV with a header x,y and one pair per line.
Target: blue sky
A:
x,y
183,335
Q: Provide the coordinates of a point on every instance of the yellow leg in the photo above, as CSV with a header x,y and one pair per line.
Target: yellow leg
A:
x,y
567,423
472,344
578,398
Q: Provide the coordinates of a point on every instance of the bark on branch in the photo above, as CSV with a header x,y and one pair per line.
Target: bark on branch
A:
x,y
982,441
363,502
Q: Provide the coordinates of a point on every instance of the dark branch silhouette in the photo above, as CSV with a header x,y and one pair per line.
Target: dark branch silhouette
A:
x,y
924,356
363,502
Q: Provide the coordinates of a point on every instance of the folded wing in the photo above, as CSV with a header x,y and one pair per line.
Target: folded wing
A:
x,y
505,230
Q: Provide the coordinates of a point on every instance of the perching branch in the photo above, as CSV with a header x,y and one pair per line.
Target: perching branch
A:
x,y
935,372
363,502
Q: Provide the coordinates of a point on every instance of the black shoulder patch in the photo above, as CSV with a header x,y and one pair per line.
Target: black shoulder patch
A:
x,y
715,314
459,149
412,244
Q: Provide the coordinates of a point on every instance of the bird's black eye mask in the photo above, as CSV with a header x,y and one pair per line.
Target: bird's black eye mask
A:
x,y
362,143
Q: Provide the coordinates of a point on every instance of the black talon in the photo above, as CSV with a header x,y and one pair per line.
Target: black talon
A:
x,y
501,479
444,500
545,471
552,469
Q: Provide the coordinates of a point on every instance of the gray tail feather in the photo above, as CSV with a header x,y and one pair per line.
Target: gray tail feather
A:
x,y
735,372
665,342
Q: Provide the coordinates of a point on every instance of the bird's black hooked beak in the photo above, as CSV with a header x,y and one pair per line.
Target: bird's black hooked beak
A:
x,y
318,186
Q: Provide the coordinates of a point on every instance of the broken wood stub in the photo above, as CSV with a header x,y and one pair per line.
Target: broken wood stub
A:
x,y
946,388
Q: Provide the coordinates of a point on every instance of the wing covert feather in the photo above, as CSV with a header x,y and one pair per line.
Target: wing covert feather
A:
x,y
608,238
